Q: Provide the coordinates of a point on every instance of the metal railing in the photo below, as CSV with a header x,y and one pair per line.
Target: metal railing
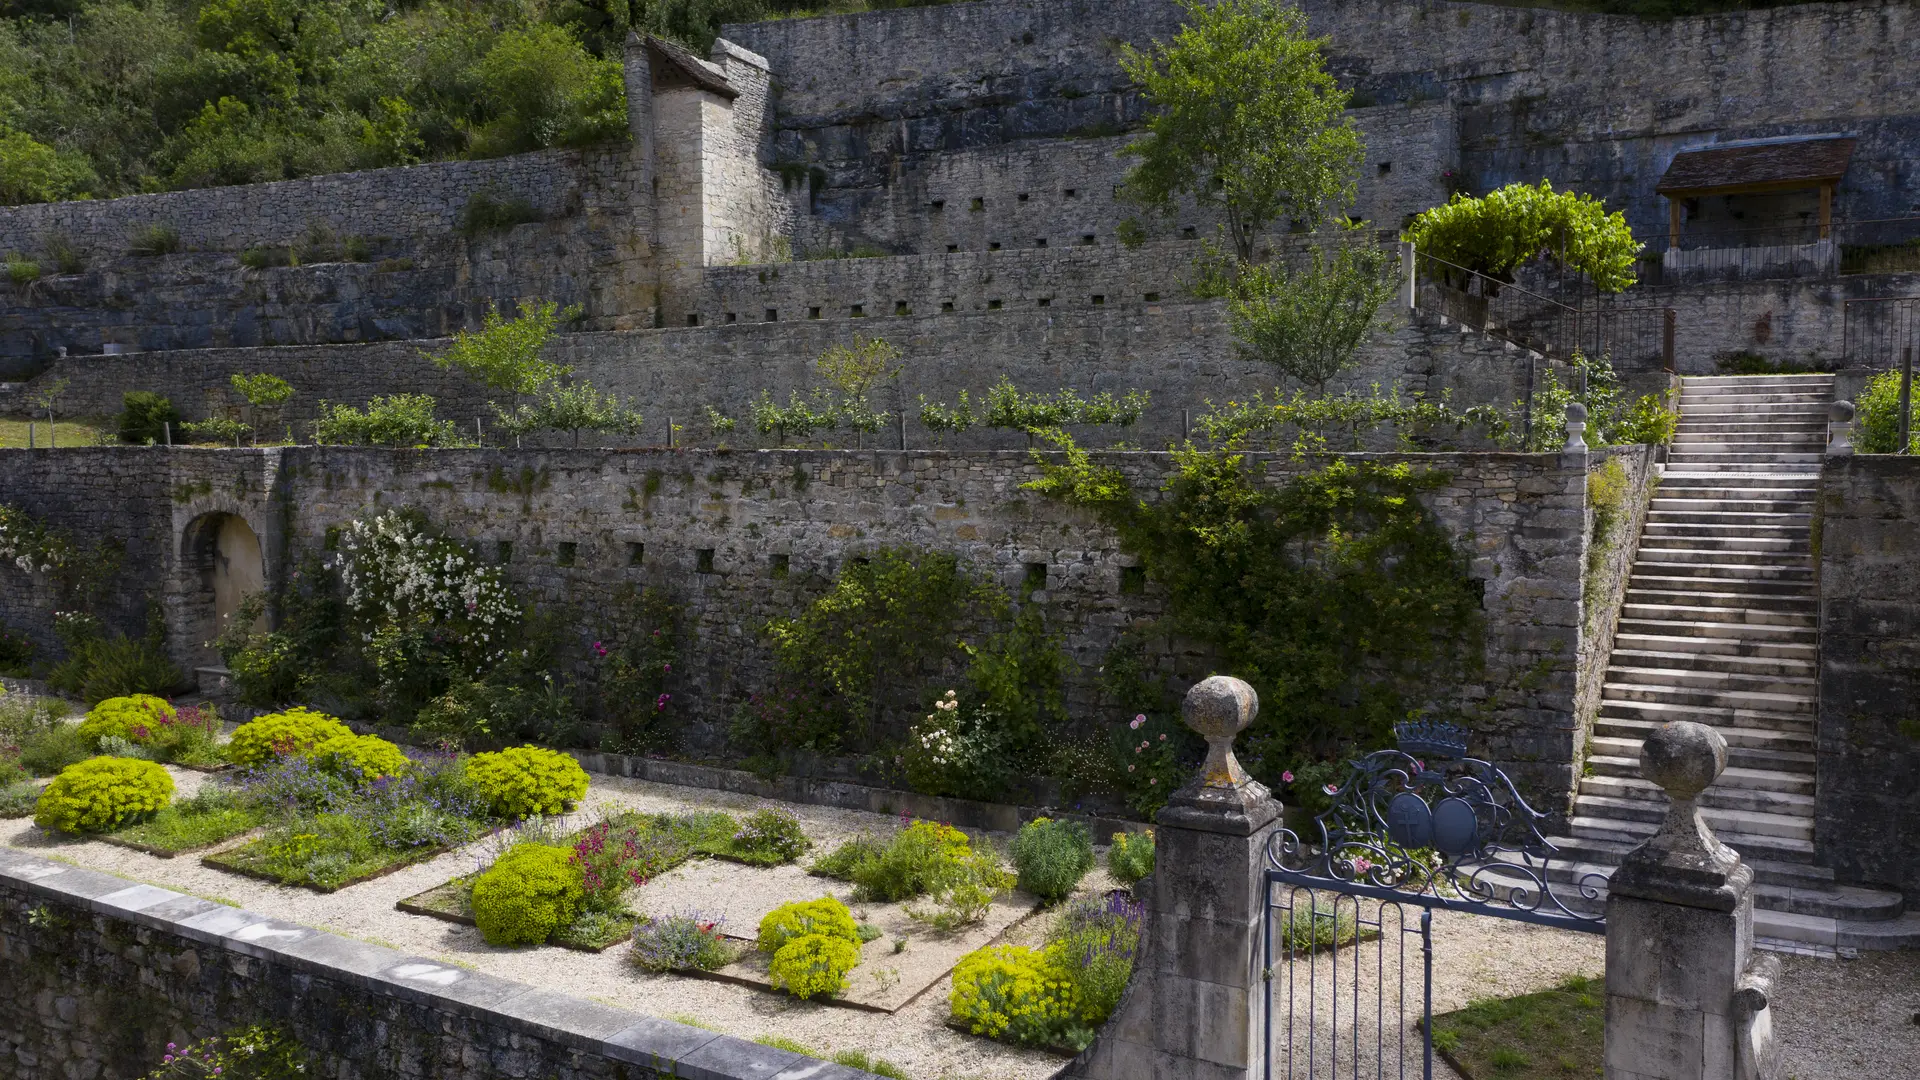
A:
x,y
1884,335
1873,246
1630,334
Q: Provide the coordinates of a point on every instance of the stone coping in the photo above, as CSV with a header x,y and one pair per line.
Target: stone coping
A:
x,y
586,1027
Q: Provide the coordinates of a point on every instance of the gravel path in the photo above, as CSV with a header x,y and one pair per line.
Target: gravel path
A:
x,y
1838,1018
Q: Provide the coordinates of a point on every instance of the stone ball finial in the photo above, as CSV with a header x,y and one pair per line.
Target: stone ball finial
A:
x,y
1576,412
1840,412
1218,708
1683,758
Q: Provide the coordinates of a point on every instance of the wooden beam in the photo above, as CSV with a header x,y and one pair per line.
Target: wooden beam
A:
x,y
1826,211
1673,222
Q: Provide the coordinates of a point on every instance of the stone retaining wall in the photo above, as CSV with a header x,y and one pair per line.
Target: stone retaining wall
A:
x,y
98,974
1867,544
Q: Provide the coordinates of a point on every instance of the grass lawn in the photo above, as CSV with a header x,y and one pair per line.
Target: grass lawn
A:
x,y
1554,1033
190,825
67,433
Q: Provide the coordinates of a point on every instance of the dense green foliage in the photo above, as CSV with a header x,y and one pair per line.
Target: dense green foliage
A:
x,y
1500,232
101,665
1130,859
522,781
1008,407
527,894
789,921
403,420
368,757
1876,418
144,416
1308,321
283,734
1337,594
1050,856
103,793
134,718
1246,118
1056,996
507,356
681,942
255,1052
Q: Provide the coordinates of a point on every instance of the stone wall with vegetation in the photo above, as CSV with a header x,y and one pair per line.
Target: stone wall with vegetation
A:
x,y
1620,481
99,974
1867,823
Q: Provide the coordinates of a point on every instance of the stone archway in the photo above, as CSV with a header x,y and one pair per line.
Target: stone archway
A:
x,y
225,565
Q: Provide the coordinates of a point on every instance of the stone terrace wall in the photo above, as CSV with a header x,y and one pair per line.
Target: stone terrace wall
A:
x,y
1867,541
1604,579
1520,517
1178,351
98,974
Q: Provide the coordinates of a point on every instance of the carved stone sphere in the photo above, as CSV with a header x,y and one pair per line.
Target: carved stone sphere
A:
x,y
1683,758
1220,707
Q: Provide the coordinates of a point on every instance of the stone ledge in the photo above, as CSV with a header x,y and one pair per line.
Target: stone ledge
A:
x,y
588,1028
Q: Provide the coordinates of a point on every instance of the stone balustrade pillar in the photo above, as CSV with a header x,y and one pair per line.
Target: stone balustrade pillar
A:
x,y
1684,999
1193,1011
1840,429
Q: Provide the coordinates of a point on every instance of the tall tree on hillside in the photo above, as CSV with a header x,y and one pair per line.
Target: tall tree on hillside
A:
x,y
1246,119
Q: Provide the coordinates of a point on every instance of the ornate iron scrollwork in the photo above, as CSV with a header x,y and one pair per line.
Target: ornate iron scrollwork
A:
x,y
1454,834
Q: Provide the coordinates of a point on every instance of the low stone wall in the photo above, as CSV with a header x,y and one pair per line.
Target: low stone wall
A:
x,y
1609,563
1520,518
98,974
1867,543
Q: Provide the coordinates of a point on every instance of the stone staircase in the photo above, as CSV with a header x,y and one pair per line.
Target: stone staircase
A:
x,y
1721,626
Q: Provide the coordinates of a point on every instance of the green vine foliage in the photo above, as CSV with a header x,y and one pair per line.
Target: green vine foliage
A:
x,y
1499,232
635,668
1336,593
1006,406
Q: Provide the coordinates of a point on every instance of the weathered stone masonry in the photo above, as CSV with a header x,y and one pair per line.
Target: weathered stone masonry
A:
x,y
1521,519
98,974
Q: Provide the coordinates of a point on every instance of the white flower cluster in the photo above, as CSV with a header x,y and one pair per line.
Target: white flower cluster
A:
x,y
947,738
396,572
26,545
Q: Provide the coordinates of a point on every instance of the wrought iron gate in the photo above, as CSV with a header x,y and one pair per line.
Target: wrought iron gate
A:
x,y
1349,916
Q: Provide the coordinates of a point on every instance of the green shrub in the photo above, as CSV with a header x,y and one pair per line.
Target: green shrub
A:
x,y
144,416
1647,420
680,943
841,861
962,895
914,863
261,258
825,916
486,212
813,964
1051,856
100,666
1130,859
325,850
133,718
46,751
218,430
16,653
768,838
367,756
154,240
1499,232
17,798
1009,992
22,271
103,793
405,420
1877,417
1093,947
277,735
530,892
31,171
526,780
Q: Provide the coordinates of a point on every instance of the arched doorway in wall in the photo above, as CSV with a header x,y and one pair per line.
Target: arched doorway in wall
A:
x,y
224,566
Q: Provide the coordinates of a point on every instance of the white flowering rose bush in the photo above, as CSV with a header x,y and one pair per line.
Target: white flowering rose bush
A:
x,y
429,613
954,751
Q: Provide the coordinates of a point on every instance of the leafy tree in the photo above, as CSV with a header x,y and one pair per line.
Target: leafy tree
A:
x,y
1310,321
31,171
1246,119
399,420
574,407
1500,232
262,390
1877,421
505,354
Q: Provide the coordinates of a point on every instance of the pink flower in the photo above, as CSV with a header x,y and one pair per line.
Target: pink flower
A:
x,y
1129,768
1163,736
1361,866
1286,777
1331,789
666,669
1137,721
599,649
1155,781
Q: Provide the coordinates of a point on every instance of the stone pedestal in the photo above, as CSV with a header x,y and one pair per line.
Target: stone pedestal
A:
x,y
1193,1010
1683,1000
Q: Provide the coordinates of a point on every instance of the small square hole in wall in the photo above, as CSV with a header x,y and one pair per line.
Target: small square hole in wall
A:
x,y
1039,241
946,305
813,313
1023,196
979,204
952,248
732,317
781,564
1153,298
1133,580
773,314
1046,301
703,560
566,552
693,319
996,305
900,308
938,204
1073,193
994,246
859,311
636,553
1386,167
1089,239
1188,232
1035,579
503,551
1099,300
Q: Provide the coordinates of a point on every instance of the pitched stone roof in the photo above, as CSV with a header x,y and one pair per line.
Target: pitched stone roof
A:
x,y
674,65
1781,164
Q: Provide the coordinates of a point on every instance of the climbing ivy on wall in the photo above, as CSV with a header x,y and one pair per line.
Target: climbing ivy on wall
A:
x,y
1335,593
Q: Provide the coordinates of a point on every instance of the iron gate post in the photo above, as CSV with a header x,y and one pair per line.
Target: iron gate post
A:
x,y
1685,999
1194,1010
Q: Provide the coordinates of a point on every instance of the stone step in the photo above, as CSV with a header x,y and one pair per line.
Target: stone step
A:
x,y
1792,485
1736,539
1727,592
1628,718
1719,523
1760,846
1668,639
1616,690
1775,684
1743,757
1771,780
1749,434
1771,926
1672,563
1769,557
1791,910
1722,820
1744,738
1727,793
1756,407
1638,652
1816,379
1603,855
1701,621
1724,504
1733,465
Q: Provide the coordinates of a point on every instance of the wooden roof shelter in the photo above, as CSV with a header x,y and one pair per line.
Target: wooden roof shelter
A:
x,y
1793,163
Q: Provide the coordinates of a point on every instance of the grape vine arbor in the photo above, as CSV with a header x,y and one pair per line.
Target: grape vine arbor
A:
x,y
1412,830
